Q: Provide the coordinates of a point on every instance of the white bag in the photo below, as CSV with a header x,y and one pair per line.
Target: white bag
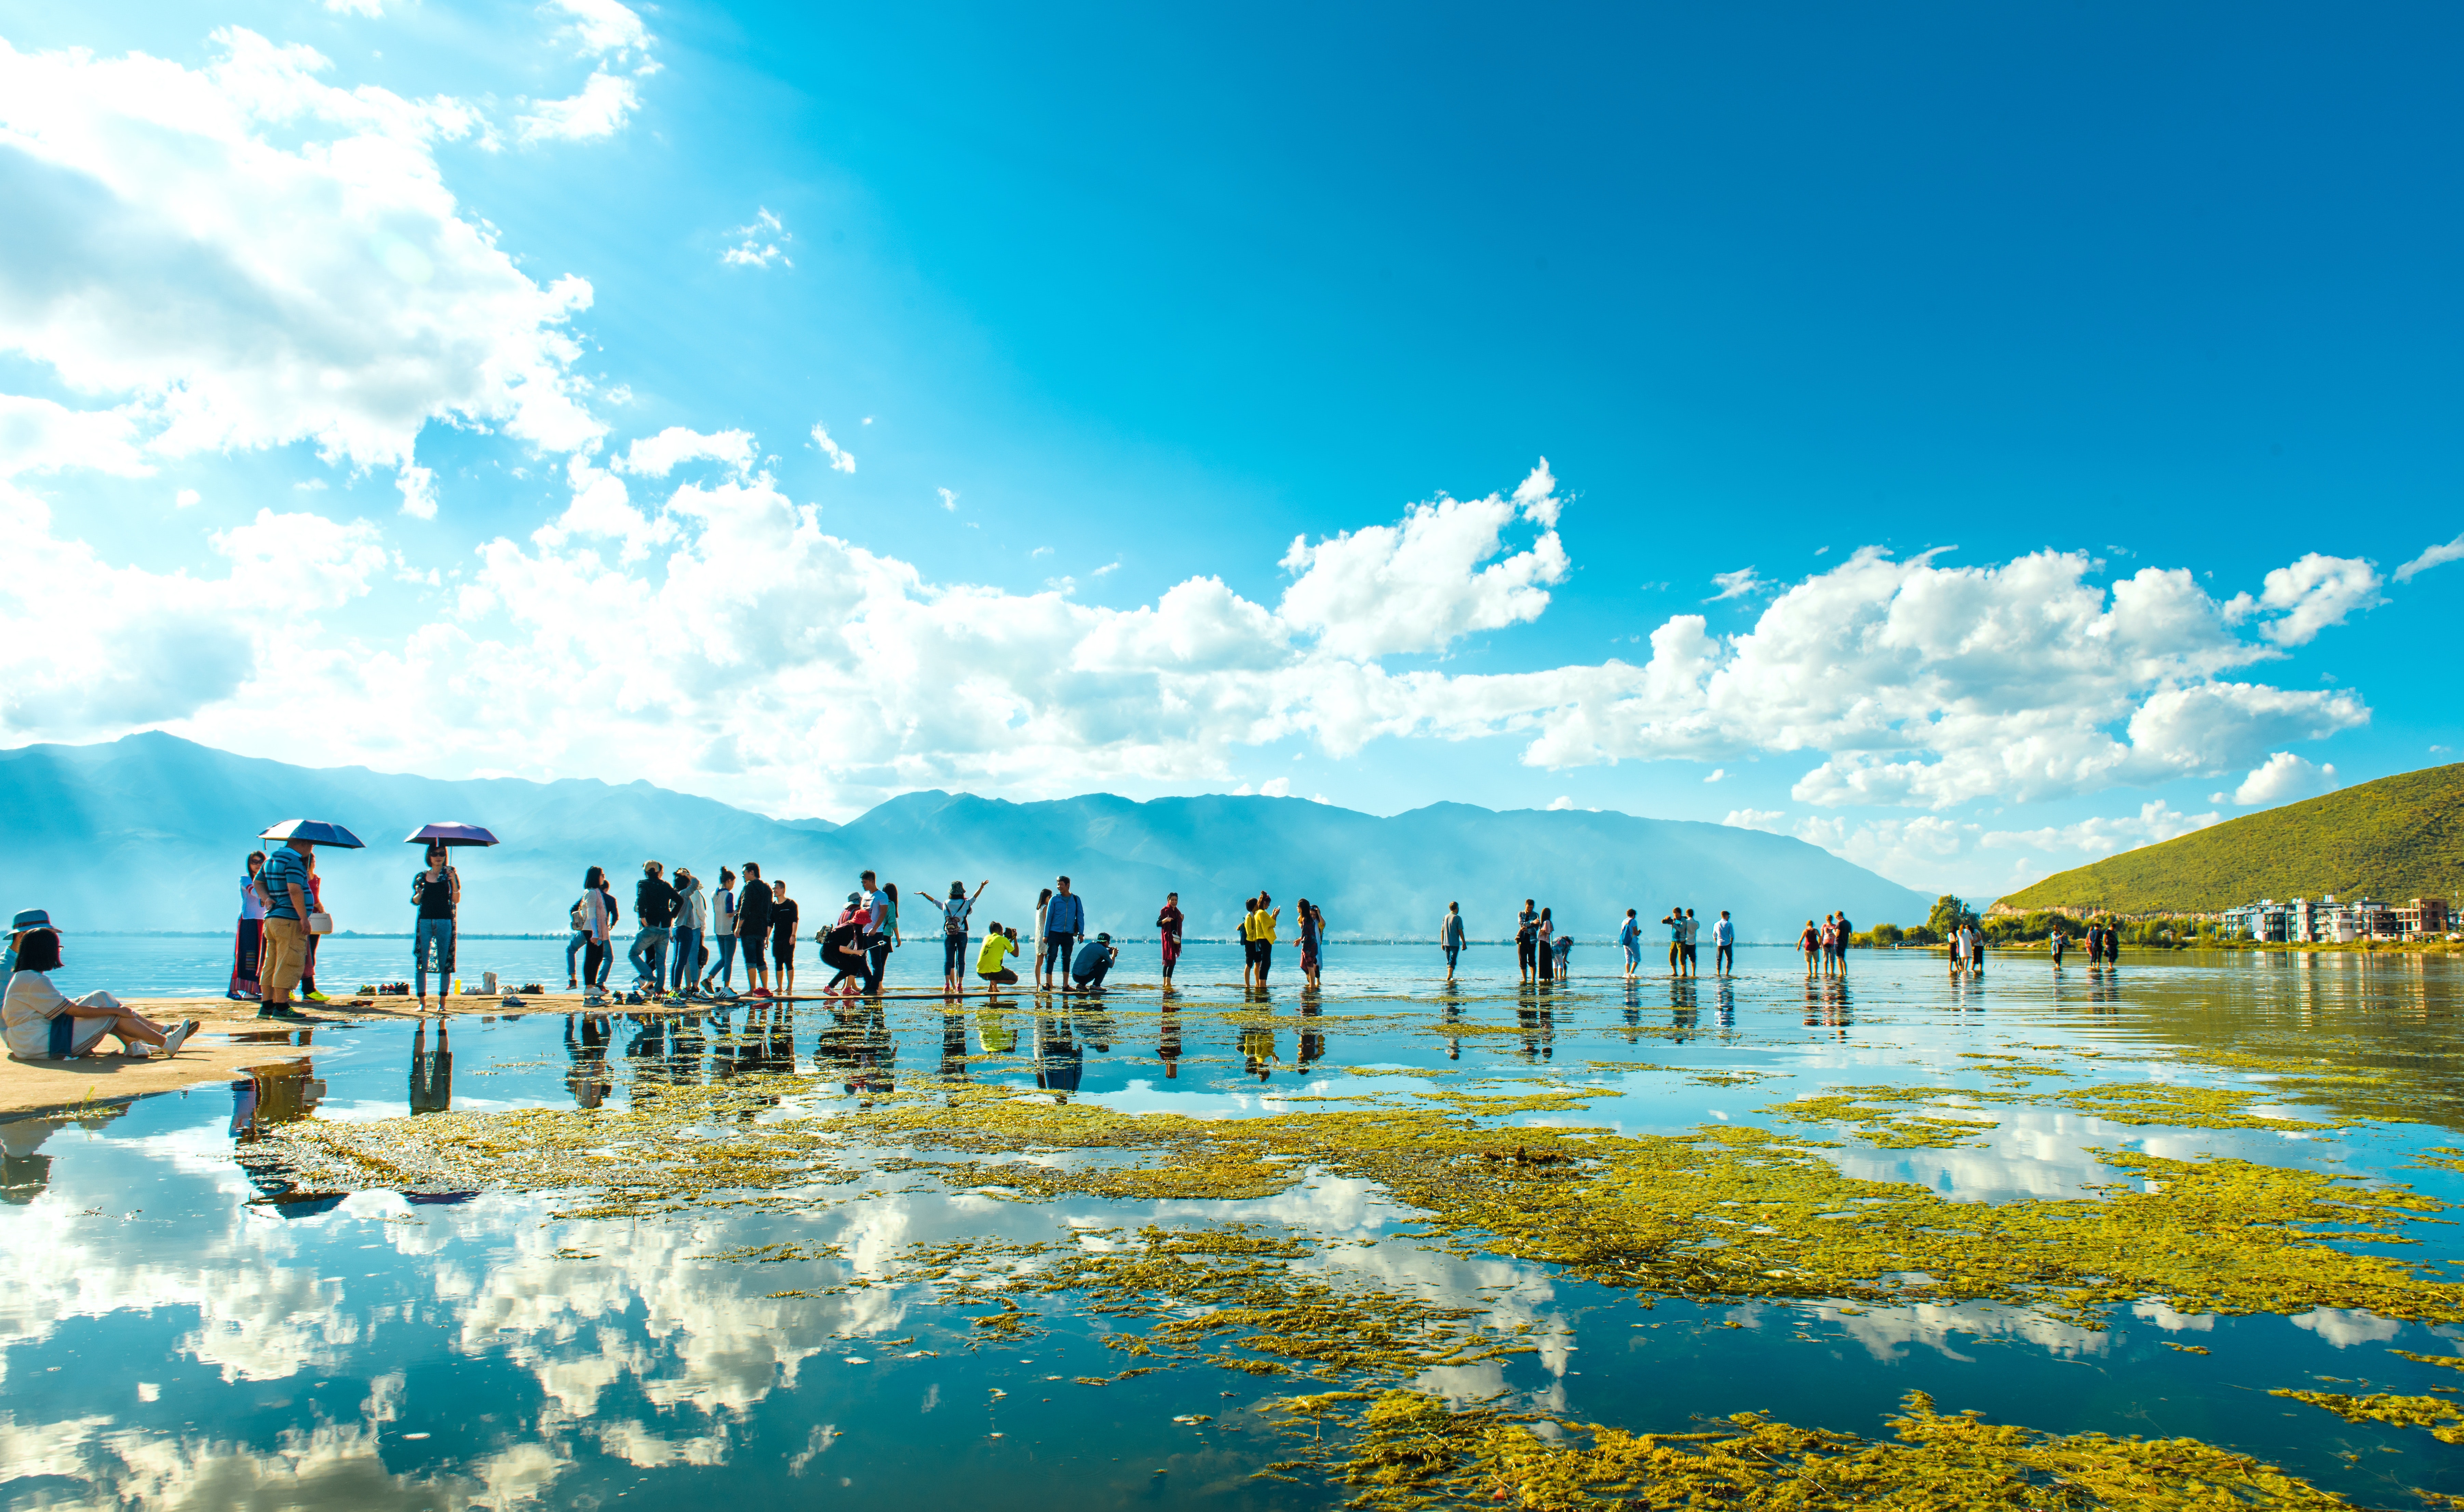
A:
x,y
321,923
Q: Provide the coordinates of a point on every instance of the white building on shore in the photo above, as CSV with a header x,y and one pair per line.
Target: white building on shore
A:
x,y
2325,921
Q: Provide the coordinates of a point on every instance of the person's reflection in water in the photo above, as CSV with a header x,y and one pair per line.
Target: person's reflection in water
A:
x,y
1098,1027
834,1051
24,1169
1633,1010
432,1075
283,1093
1313,1041
648,1046
954,1047
1727,1008
992,1028
1059,1063
1539,1024
876,1057
1683,1016
1168,1040
1257,1058
685,1045
2104,995
586,1075
1450,1005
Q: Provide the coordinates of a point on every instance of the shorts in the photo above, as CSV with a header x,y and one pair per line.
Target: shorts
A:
x,y
782,946
750,941
1452,952
1004,977
1249,951
1056,951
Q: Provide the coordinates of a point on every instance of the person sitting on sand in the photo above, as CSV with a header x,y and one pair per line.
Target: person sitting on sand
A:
x,y
43,1024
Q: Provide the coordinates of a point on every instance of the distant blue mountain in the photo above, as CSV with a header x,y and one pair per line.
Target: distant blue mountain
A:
x,y
149,832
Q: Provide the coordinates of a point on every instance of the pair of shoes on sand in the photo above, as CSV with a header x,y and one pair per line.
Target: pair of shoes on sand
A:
x,y
282,1010
171,1042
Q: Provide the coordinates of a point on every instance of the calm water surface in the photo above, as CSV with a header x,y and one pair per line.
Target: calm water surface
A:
x,y
175,1336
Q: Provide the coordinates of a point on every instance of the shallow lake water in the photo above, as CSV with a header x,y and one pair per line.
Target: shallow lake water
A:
x,y
197,1318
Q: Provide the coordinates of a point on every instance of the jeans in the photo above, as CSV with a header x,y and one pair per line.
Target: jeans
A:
x,y
1723,958
1452,952
687,955
1056,951
431,950
725,971
649,957
954,952
1088,984
286,956
573,947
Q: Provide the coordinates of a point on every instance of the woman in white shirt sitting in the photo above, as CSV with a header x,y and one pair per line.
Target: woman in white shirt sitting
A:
x,y
43,1024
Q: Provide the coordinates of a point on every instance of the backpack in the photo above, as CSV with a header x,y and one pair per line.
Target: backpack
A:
x,y
581,915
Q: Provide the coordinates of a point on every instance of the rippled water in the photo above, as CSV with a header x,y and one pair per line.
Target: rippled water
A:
x,y
185,1329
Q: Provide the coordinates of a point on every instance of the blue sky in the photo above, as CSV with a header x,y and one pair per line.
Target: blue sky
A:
x,y
1103,309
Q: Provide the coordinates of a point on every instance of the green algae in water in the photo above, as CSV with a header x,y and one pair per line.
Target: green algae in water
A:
x,y
1408,1450
2444,1419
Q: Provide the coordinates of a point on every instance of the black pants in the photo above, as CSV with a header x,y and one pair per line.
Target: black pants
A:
x,y
594,961
1723,958
1265,958
846,963
876,958
1524,948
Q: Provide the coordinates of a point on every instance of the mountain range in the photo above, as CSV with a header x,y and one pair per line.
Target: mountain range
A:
x,y
150,832
2394,839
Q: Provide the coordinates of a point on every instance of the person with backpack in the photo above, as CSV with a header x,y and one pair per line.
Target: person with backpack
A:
x,y
753,929
578,917
843,945
1629,940
954,932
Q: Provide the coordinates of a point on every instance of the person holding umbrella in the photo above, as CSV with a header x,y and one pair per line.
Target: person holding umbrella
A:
x,y
283,883
436,892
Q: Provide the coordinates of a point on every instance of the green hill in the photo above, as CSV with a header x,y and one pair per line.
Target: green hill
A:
x,y
2392,839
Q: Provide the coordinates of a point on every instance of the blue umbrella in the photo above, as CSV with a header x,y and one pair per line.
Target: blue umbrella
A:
x,y
317,832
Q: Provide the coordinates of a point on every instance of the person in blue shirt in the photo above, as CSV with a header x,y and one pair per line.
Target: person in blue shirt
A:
x,y
1094,959
282,881
1450,936
1724,944
1065,920
1630,938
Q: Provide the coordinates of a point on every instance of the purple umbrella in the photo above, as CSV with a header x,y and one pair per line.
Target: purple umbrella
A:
x,y
448,834
316,831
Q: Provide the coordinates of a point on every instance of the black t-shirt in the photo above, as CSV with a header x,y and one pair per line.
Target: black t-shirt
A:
x,y
783,916
436,896
753,910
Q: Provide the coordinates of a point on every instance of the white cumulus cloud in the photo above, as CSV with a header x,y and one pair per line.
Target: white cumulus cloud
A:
x,y
1421,585
759,244
1773,820
242,255
2315,593
658,455
599,111
2285,778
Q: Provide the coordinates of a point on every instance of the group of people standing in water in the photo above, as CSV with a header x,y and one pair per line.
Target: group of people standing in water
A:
x,y
690,939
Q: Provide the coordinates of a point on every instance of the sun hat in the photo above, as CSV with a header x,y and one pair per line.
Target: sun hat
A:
x,y
30,919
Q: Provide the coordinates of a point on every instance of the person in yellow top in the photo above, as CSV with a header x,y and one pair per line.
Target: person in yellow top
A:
x,y
999,945
1262,935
